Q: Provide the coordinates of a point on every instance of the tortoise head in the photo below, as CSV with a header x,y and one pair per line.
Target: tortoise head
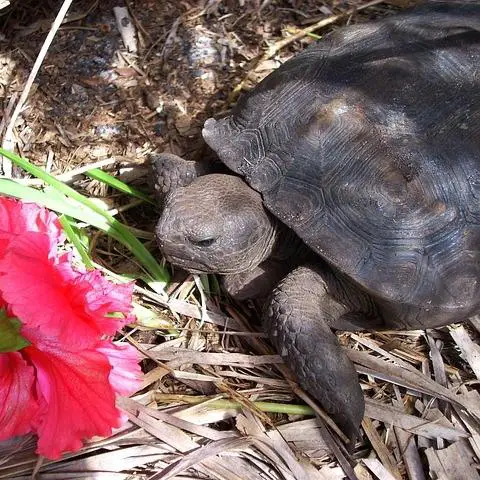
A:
x,y
216,224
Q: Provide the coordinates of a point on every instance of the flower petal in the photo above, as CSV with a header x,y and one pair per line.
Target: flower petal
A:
x,y
73,304
18,217
75,396
18,404
125,377
99,296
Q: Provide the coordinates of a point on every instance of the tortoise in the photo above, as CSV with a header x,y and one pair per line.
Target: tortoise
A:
x,y
351,200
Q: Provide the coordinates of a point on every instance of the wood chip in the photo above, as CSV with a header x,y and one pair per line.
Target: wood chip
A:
x,y
126,28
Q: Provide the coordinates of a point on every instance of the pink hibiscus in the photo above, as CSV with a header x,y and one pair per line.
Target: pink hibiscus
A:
x,y
16,218
18,404
62,386
73,304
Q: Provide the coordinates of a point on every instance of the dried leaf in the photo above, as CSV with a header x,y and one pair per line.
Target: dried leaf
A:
x,y
380,448
453,462
470,350
408,377
393,416
200,455
378,469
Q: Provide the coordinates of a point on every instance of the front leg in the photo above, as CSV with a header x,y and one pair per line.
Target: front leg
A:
x,y
299,317
169,171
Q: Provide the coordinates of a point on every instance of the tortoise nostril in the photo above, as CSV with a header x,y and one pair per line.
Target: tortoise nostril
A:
x,y
203,242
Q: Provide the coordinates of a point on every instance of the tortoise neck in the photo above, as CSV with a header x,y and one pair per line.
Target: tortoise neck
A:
x,y
288,246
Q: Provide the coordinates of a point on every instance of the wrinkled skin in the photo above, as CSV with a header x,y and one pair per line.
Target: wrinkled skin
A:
x,y
230,232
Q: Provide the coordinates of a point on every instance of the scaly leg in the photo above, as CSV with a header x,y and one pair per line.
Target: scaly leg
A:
x,y
299,316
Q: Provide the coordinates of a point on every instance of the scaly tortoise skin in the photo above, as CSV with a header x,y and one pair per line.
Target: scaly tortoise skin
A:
x,y
365,148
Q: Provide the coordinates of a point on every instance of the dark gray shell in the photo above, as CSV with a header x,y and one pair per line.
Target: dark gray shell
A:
x,y
367,144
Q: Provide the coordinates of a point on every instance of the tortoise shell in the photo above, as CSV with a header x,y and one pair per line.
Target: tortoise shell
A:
x,y
367,145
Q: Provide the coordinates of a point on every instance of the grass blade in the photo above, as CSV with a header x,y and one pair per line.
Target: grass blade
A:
x,y
114,182
75,239
53,202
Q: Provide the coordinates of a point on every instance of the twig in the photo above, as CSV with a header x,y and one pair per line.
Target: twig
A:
x,y
126,28
322,23
69,176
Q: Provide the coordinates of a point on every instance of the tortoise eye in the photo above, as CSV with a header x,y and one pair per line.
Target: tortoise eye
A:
x,y
203,242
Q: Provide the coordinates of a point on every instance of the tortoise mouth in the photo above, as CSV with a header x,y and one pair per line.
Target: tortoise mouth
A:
x,y
197,267
188,265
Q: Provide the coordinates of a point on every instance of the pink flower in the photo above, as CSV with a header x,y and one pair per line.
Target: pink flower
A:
x,y
18,404
63,385
16,218
85,404
73,304
122,358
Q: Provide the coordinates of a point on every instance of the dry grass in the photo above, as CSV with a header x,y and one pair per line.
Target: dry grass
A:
x,y
217,403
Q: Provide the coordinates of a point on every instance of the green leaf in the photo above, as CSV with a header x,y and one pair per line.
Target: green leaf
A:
x,y
214,285
75,239
10,338
109,224
114,182
53,202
